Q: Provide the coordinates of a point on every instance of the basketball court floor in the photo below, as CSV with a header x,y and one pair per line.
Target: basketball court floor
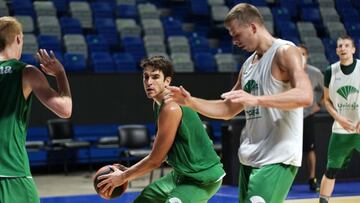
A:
x,y
78,189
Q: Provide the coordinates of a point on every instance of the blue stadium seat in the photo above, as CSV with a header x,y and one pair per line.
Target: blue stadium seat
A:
x,y
199,7
307,3
198,44
126,11
74,62
310,14
286,29
125,62
102,10
172,26
204,62
349,15
29,59
291,6
62,6
70,25
258,2
107,28
353,29
280,14
341,4
97,43
50,43
134,46
23,7
102,62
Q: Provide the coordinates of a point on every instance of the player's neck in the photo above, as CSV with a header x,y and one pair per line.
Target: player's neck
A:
x,y
9,53
347,61
265,42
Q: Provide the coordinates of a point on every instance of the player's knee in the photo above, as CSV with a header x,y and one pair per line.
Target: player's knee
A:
x,y
331,173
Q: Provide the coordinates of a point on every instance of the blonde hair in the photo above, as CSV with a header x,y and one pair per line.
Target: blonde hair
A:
x,y
244,13
9,28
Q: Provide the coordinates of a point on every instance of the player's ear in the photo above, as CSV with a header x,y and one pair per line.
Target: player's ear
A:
x,y
168,81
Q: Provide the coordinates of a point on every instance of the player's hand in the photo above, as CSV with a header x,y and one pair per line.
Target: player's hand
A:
x,y
49,63
240,96
358,128
178,95
110,181
346,124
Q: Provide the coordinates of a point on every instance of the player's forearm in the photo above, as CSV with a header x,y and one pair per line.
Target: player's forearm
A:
x,y
331,110
218,109
64,100
288,100
141,168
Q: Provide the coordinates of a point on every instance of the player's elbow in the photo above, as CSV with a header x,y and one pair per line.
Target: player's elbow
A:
x,y
64,109
65,114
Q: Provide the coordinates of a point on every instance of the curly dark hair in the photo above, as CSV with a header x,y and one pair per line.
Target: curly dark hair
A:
x,y
159,63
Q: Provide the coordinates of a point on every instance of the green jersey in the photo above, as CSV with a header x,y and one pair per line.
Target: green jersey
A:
x,y
14,116
192,154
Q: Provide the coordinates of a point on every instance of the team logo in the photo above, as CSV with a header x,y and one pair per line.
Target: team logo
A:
x,y
252,87
257,199
345,91
175,200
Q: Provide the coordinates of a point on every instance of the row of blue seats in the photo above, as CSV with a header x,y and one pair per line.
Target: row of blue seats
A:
x,y
90,133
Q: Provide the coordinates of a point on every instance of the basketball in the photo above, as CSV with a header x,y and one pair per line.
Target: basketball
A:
x,y
106,170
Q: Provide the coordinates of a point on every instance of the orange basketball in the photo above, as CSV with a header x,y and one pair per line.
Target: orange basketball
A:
x,y
118,190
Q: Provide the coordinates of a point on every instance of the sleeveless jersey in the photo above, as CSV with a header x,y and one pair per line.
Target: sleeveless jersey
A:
x,y
270,135
344,94
14,116
192,154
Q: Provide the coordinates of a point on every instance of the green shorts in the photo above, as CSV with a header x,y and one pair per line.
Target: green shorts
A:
x,y
340,149
173,188
270,183
19,190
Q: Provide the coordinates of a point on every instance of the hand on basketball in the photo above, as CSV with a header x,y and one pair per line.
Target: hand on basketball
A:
x,y
49,63
240,96
110,181
178,95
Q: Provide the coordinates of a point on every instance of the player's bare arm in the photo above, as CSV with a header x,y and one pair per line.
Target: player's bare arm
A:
x,y
286,67
168,122
34,80
344,122
218,109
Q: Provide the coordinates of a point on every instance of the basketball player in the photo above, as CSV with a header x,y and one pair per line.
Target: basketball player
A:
x,y
341,94
18,83
181,140
317,83
272,88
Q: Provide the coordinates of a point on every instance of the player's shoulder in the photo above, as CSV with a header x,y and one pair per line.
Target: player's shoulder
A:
x,y
170,107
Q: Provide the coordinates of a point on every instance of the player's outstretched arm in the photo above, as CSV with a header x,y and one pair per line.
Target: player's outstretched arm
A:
x,y
60,101
219,109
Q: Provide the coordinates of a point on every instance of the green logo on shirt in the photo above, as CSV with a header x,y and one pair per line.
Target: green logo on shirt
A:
x,y
345,91
250,85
